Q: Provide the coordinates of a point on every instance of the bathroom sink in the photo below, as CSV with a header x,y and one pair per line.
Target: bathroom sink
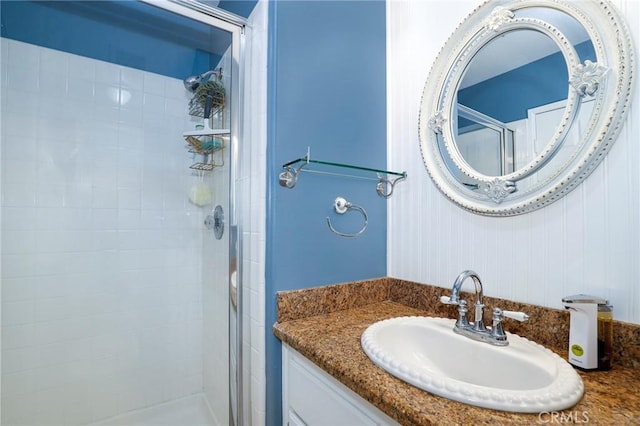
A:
x,y
425,352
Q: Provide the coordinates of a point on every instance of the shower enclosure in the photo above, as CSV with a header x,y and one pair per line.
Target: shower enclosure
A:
x,y
119,306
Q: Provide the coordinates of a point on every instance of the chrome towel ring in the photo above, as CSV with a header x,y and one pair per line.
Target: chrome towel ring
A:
x,y
341,206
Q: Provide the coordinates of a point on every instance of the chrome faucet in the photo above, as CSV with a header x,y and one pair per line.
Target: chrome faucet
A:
x,y
478,323
477,330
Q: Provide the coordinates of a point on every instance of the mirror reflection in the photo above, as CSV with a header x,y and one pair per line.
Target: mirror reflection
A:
x,y
510,99
507,110
487,144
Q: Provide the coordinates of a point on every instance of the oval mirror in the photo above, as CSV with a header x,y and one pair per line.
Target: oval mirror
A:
x,y
524,101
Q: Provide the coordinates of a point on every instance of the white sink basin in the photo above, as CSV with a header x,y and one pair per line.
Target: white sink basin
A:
x,y
425,352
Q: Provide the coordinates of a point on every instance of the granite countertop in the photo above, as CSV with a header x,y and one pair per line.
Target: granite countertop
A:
x,y
331,340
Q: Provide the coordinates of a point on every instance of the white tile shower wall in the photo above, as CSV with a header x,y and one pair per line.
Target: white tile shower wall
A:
x,y
101,251
586,242
253,184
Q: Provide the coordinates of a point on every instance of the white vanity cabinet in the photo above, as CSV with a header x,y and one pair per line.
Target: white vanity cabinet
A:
x,y
310,396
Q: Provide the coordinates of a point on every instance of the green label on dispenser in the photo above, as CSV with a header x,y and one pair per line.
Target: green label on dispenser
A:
x,y
577,350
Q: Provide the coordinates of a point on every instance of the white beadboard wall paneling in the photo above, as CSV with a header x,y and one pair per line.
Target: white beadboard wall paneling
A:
x,y
588,242
624,259
101,251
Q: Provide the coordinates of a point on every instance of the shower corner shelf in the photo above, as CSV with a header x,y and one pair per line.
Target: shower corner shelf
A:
x,y
208,132
209,161
206,143
386,179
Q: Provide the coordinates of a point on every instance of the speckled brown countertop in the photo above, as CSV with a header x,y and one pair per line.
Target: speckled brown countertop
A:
x,y
325,324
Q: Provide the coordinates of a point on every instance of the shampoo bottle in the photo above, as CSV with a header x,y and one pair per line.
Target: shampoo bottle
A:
x,y
590,332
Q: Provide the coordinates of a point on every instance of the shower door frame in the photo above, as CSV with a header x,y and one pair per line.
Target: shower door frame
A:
x,y
236,26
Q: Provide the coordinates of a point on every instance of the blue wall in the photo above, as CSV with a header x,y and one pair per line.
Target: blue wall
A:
x,y
326,90
239,7
126,33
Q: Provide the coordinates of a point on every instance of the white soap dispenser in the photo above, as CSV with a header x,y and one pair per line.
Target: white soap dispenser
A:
x,y
590,332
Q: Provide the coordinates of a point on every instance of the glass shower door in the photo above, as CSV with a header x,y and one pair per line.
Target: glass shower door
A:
x,y
110,286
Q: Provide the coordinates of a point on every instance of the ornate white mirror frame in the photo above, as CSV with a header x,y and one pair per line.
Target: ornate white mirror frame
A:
x,y
607,81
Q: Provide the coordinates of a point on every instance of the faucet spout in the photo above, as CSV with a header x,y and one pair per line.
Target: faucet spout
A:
x,y
478,324
457,285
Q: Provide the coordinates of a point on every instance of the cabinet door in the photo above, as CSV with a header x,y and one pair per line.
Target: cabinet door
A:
x,y
312,397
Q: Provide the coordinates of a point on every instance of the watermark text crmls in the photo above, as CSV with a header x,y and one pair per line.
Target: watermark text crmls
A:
x,y
563,417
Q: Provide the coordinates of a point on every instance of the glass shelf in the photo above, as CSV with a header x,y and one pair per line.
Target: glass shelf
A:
x,y
346,166
386,179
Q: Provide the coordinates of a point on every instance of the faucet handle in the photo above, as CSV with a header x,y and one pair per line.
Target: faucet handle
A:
x,y
447,300
518,316
462,321
497,331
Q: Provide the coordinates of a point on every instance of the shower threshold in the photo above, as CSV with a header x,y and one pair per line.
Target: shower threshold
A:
x,y
192,410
